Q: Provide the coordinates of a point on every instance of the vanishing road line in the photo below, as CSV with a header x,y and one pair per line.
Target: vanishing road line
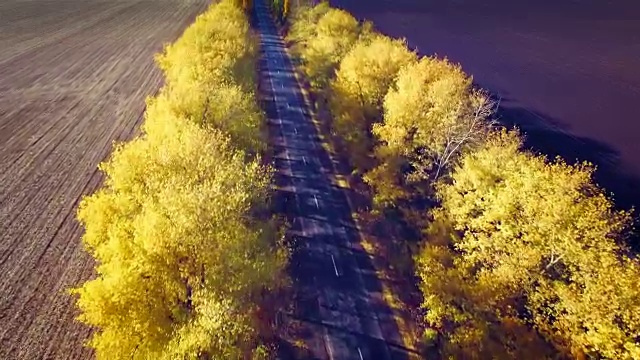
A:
x,y
335,268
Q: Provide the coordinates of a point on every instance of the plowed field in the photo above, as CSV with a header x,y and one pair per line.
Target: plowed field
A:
x,y
566,71
73,78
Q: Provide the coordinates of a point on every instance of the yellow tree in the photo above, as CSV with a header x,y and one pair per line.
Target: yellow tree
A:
x,y
210,77
247,5
226,108
520,240
286,9
431,115
335,33
180,263
304,21
218,47
182,257
363,79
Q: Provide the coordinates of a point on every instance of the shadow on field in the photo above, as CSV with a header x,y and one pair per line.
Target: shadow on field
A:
x,y
423,21
547,136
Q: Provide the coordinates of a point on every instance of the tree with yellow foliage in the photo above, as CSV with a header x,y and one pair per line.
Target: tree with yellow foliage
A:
x,y
218,47
335,34
181,263
431,116
286,9
322,36
210,77
226,108
183,258
247,5
363,79
523,257
522,243
304,20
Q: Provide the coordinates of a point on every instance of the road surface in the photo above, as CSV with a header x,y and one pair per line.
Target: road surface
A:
x,y
73,78
568,71
342,306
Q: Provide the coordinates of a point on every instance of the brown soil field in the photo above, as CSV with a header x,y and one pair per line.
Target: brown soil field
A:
x,y
73,78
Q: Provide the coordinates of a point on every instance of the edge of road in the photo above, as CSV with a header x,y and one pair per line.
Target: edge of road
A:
x,y
406,328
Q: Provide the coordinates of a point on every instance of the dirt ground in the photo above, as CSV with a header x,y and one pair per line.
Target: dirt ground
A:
x,y
566,70
73,78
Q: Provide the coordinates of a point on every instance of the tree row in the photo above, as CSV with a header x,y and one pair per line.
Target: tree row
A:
x,y
184,251
519,256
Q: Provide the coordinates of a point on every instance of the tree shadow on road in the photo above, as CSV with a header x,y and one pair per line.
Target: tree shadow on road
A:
x,y
333,232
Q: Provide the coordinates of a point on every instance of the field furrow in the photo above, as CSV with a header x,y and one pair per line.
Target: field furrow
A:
x,y
73,78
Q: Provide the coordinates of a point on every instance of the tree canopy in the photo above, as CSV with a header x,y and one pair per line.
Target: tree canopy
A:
x,y
521,256
184,254
179,258
431,115
515,235
358,90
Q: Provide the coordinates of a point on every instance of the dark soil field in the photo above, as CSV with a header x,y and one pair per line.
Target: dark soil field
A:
x,y
568,71
73,78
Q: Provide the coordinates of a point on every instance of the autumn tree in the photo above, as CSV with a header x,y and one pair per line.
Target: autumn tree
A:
x,y
227,108
184,254
304,21
431,115
180,261
522,243
218,46
321,36
336,32
210,77
362,81
523,257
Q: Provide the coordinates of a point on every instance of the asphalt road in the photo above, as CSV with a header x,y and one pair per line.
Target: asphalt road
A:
x,y
568,71
341,302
